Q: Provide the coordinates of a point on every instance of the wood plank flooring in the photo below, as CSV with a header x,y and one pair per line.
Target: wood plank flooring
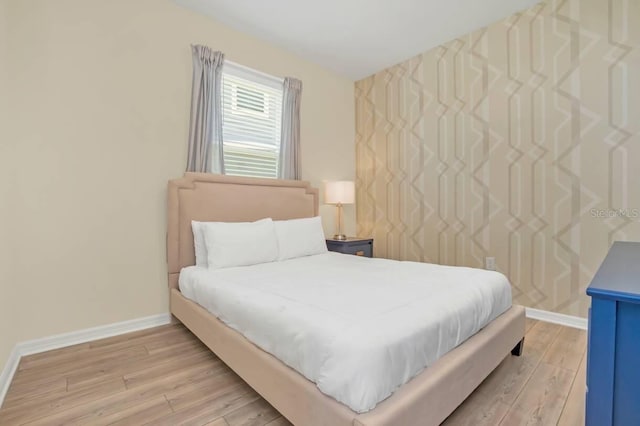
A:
x,y
165,376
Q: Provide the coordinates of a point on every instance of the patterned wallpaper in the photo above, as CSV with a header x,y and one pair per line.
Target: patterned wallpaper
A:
x,y
519,141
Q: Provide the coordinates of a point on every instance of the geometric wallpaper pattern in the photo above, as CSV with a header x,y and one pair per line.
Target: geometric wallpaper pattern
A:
x,y
520,141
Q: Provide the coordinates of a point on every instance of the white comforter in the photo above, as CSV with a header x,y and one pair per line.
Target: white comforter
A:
x,y
357,327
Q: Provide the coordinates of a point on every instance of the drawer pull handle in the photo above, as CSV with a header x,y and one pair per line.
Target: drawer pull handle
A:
x,y
360,253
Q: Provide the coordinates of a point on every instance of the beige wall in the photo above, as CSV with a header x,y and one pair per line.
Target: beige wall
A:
x,y
501,142
6,167
99,112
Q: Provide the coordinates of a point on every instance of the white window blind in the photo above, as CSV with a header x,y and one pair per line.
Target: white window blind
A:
x,y
251,121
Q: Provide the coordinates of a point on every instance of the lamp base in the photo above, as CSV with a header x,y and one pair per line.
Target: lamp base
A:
x,y
340,237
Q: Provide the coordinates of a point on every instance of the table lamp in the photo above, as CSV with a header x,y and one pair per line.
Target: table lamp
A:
x,y
339,193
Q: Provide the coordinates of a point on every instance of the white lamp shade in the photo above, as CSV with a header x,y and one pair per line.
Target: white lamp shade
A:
x,y
339,192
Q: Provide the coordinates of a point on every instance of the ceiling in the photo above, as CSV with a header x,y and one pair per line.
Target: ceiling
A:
x,y
357,38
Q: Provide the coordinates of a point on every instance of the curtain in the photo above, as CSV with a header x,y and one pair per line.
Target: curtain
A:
x,y
289,167
205,128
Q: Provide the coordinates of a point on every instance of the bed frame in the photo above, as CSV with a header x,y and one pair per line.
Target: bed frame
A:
x,y
427,399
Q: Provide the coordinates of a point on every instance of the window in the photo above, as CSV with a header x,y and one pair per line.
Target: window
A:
x,y
251,121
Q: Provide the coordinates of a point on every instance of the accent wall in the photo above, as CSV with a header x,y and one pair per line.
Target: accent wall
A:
x,y
519,141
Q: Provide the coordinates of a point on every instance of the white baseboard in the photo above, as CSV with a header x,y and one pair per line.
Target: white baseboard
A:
x,y
57,341
7,374
88,334
562,319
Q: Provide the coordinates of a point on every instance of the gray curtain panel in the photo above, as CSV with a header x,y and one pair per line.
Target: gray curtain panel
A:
x,y
289,167
205,128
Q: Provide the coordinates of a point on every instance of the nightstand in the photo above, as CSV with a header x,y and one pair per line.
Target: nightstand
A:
x,y
352,245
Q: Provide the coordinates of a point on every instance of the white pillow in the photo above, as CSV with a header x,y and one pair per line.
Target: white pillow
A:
x,y
232,244
198,243
300,237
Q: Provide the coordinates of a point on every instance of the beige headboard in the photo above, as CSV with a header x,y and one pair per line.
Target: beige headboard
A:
x,y
219,198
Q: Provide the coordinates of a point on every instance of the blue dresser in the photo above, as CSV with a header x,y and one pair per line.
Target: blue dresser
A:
x,y
613,357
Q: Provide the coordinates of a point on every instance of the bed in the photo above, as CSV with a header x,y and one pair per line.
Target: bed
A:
x,y
428,398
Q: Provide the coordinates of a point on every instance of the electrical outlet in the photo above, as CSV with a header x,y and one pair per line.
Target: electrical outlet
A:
x,y
490,263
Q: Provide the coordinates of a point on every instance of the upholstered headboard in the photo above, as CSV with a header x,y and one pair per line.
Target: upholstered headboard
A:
x,y
209,197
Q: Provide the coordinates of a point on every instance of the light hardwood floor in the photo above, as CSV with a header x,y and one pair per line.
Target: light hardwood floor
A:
x,y
165,376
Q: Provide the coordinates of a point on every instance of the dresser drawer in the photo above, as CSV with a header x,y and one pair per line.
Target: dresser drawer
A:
x,y
613,346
